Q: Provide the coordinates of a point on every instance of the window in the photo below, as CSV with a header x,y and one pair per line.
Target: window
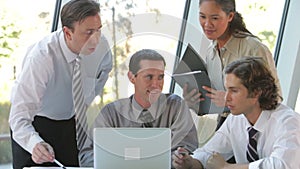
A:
x,y
20,27
133,25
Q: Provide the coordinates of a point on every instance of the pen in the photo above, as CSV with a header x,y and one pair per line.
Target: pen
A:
x,y
98,76
187,152
183,151
58,163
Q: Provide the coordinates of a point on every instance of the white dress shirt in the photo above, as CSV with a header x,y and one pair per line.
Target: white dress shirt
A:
x,y
44,86
278,142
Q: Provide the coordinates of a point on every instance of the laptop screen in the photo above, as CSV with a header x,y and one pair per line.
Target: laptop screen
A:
x,y
132,148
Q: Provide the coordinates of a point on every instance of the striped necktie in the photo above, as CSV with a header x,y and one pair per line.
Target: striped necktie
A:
x,y
146,118
252,145
80,107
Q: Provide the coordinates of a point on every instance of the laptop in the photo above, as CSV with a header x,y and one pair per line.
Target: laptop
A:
x,y
132,148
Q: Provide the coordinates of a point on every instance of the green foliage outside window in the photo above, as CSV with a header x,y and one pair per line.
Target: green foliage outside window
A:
x,y
9,35
5,147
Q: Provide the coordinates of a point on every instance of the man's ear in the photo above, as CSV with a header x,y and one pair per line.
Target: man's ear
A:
x,y
256,94
67,32
131,77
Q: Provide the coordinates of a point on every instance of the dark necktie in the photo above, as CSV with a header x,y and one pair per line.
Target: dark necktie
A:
x,y
80,107
146,118
252,145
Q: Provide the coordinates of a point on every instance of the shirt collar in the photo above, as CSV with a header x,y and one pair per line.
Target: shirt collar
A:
x,y
136,108
67,53
155,109
262,120
230,45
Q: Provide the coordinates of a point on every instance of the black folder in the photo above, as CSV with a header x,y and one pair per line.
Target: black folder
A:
x,y
192,70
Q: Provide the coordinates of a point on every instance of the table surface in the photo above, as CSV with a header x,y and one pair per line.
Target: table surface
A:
x,y
57,167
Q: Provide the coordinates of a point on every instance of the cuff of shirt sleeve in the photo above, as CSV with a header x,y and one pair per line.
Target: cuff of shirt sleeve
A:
x,y
87,159
255,164
32,142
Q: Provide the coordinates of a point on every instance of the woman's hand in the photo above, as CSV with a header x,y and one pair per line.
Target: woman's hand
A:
x,y
192,97
216,96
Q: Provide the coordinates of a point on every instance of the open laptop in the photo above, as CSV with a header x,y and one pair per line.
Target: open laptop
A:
x,y
132,148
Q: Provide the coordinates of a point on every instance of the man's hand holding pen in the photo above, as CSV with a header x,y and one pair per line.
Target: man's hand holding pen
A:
x,y
182,159
42,152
